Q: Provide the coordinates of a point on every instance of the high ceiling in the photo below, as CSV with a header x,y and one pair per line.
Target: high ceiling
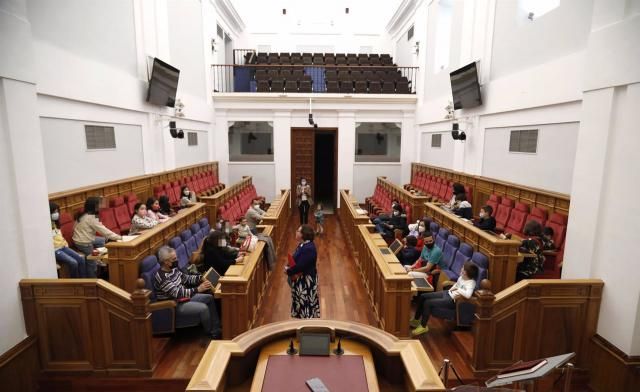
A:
x,y
364,17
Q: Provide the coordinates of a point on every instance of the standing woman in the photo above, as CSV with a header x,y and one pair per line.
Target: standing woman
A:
x,y
303,194
303,277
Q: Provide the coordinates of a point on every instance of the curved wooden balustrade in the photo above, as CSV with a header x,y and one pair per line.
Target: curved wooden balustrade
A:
x,y
483,187
73,199
278,216
386,281
350,218
535,319
416,201
402,363
502,254
89,326
124,257
242,288
216,201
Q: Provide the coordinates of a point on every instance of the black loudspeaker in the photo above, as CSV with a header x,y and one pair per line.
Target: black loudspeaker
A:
x,y
455,134
310,119
181,134
463,136
172,129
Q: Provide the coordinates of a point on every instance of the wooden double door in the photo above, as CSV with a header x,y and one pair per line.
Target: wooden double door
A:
x,y
314,157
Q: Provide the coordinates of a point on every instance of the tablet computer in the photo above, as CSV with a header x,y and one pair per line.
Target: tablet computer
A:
x,y
212,276
396,246
421,283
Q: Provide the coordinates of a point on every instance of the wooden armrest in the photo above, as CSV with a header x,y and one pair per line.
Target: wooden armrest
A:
x,y
194,257
162,305
550,252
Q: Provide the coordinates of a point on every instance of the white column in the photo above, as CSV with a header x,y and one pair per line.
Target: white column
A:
x,y
25,236
282,150
346,150
410,138
221,145
603,235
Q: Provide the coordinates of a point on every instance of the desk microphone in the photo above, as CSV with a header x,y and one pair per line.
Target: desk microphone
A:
x,y
339,350
291,350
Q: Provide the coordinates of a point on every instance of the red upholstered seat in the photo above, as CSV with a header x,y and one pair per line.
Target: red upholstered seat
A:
x,y
121,213
517,219
503,213
538,214
108,219
494,201
558,222
66,227
130,200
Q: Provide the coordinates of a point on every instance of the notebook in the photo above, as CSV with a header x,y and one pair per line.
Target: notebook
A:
x,y
521,368
127,238
421,283
212,276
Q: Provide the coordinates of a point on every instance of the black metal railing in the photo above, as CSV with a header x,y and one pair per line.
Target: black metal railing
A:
x,y
343,79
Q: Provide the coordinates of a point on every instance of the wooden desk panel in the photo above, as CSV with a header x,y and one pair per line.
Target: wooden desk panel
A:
x,y
350,219
278,216
216,201
502,254
125,257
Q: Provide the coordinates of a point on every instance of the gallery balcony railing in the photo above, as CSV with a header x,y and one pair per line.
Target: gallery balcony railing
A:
x,y
340,79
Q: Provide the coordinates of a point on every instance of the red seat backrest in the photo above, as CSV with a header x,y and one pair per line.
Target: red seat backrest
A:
x,y
121,212
108,218
494,202
517,218
538,214
558,223
503,213
66,226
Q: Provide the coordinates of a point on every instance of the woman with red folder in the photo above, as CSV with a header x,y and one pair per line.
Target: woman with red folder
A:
x,y
303,276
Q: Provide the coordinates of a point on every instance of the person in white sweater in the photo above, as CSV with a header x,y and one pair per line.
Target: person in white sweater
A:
x,y
444,299
140,220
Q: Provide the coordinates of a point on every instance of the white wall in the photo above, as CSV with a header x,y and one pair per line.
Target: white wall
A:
x,y
187,155
263,176
551,167
365,177
65,147
437,156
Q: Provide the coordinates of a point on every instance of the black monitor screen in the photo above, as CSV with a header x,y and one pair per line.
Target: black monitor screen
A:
x,y
163,84
465,87
314,343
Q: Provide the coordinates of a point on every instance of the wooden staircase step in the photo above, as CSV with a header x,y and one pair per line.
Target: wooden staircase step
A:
x,y
463,340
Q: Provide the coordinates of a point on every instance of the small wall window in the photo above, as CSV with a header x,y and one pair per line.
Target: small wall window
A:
x,y
100,137
251,141
436,140
525,140
378,142
192,138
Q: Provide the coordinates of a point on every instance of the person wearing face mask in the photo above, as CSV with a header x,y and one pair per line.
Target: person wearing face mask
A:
x,y
303,276
217,255
65,255
396,222
192,293
153,210
430,257
304,200
187,197
486,221
254,215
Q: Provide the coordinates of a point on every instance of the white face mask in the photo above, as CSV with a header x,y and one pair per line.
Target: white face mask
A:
x,y
420,229
256,206
396,213
303,182
186,193
55,216
223,243
482,214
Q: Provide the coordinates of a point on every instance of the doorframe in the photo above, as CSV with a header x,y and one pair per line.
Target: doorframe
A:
x,y
336,159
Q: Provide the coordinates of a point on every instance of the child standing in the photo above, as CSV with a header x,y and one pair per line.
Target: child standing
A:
x,y
319,215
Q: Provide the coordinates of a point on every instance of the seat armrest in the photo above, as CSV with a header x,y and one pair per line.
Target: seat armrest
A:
x,y
168,304
550,252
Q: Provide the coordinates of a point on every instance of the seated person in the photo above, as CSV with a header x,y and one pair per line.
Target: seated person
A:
x,y
254,215
416,229
444,299
430,257
153,210
140,221
65,255
532,247
462,207
242,229
547,239
187,197
486,221
396,222
395,204
165,206
409,254
457,188
217,255
192,293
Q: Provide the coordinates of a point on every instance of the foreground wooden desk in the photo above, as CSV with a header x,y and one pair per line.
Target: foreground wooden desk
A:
x,y
401,364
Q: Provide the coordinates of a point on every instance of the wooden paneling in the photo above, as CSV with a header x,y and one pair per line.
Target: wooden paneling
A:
x,y
20,366
350,219
611,369
125,257
215,201
502,254
404,196
483,187
73,199
278,216
535,319
89,326
302,156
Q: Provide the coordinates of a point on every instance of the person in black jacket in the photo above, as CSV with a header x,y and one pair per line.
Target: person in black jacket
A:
x,y
486,221
396,222
215,253
409,254
462,207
